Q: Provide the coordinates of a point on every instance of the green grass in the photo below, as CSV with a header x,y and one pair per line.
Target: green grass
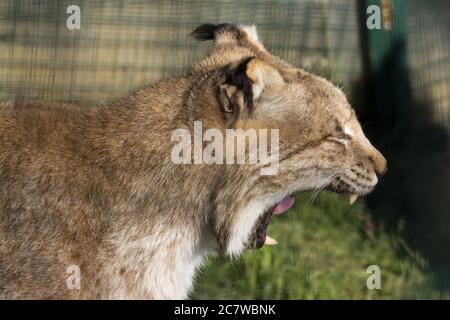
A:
x,y
323,252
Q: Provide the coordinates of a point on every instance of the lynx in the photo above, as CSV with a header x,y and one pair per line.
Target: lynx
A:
x,y
95,187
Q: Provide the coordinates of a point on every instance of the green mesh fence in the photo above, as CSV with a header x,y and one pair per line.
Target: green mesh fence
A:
x,y
123,45
428,31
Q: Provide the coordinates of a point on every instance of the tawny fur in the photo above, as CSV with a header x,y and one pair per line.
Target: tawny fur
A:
x,y
95,186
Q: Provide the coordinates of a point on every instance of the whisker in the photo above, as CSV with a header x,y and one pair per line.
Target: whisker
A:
x,y
318,190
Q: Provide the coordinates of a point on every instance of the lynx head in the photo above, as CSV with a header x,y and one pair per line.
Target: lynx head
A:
x,y
321,142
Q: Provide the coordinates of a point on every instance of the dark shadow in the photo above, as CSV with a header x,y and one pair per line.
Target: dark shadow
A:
x,y
415,191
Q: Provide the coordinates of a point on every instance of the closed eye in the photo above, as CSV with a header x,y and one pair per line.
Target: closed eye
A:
x,y
341,140
338,140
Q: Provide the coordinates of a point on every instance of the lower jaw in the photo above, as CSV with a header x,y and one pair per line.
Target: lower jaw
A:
x,y
261,230
258,234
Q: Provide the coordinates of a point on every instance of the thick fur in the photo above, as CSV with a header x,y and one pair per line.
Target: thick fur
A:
x,y
95,187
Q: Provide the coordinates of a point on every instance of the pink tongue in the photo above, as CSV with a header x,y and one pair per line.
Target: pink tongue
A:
x,y
284,205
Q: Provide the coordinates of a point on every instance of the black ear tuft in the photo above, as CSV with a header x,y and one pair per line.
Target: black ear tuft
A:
x,y
238,78
209,31
204,32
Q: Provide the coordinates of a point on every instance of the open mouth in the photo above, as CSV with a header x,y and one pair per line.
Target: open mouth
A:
x,y
258,235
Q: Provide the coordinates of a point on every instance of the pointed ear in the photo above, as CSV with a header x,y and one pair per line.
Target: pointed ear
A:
x,y
231,34
262,75
246,82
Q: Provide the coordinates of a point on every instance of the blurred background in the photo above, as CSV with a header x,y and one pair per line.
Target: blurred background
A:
x,y
397,78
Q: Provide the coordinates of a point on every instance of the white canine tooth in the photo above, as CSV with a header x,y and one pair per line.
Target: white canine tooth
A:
x,y
352,198
270,241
